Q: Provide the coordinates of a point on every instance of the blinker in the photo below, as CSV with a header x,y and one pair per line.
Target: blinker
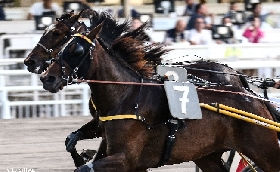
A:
x,y
79,50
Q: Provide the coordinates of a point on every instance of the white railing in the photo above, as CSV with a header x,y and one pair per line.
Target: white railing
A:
x,y
34,101
22,96
224,52
24,42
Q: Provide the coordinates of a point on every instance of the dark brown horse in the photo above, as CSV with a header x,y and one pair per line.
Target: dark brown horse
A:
x,y
53,38
50,44
47,48
131,146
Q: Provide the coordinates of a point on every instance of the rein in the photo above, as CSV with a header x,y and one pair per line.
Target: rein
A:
x,y
154,84
116,82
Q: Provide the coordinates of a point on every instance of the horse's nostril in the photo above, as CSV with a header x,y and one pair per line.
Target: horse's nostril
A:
x,y
29,62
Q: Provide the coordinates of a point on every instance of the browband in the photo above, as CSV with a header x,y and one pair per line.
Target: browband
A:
x,y
84,37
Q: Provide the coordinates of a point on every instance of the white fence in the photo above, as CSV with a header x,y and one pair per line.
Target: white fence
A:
x,y
33,101
22,96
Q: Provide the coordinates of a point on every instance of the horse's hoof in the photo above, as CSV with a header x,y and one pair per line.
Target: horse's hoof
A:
x,y
88,154
71,140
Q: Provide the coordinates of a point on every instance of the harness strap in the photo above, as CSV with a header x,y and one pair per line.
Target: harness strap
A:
x,y
125,116
93,105
170,140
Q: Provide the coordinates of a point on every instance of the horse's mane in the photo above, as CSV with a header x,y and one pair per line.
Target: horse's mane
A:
x,y
111,29
128,45
141,57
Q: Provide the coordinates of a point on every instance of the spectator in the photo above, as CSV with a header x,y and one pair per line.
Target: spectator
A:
x,y
257,12
190,8
232,9
253,33
176,34
136,23
233,15
38,8
199,35
2,13
133,12
201,11
227,22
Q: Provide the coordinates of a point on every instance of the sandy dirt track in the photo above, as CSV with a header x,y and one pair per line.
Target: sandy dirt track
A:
x,y
38,144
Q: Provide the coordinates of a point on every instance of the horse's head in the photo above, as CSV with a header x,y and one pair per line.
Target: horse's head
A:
x,y
106,49
75,53
52,40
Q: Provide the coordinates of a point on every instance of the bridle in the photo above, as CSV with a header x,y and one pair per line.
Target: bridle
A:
x,y
71,32
73,75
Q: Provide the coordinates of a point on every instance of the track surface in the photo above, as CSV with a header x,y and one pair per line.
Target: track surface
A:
x,y
38,144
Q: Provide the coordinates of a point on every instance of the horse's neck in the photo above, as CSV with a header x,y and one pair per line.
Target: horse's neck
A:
x,y
108,97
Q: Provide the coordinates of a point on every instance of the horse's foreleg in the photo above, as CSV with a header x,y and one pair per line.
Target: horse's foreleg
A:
x,y
115,163
101,153
85,132
78,160
88,131
211,163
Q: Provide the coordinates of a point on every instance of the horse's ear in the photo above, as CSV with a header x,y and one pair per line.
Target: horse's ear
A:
x,y
95,31
81,12
74,18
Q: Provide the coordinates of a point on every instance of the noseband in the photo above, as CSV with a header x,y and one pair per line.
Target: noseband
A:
x,y
49,51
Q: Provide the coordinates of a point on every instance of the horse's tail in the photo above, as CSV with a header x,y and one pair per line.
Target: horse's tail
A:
x,y
274,113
